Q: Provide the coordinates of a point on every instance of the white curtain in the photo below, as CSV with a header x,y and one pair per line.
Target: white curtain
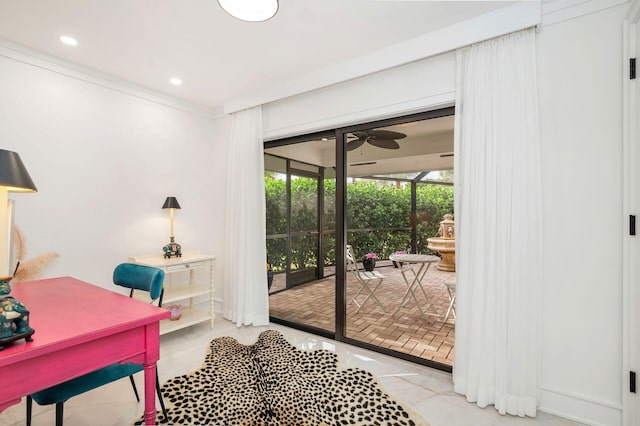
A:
x,y
498,221
245,294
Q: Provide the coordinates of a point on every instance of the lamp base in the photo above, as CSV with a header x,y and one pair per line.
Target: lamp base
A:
x,y
172,249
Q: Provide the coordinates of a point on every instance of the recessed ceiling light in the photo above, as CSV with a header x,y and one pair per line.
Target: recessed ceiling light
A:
x,y
175,81
250,10
69,41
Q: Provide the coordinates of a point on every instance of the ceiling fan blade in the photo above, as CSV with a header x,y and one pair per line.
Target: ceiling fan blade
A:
x,y
383,143
386,134
354,144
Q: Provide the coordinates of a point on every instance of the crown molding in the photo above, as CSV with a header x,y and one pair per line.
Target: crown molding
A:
x,y
23,54
554,12
633,16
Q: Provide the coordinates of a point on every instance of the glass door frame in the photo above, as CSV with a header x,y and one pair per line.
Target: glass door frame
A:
x,y
291,234
341,230
330,134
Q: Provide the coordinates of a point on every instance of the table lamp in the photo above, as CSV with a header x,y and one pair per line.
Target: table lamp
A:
x,y
173,248
13,178
14,316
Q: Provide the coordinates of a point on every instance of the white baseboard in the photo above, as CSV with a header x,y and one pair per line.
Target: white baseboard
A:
x,y
580,408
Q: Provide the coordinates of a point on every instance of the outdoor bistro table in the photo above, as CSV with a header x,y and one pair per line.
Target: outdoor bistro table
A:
x,y
423,261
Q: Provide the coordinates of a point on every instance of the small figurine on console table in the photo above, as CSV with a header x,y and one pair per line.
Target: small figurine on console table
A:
x,y
173,248
14,316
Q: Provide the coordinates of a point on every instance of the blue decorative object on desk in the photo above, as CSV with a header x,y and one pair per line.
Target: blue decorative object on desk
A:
x,y
14,316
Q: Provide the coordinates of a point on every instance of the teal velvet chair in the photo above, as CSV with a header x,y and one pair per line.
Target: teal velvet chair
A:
x,y
134,277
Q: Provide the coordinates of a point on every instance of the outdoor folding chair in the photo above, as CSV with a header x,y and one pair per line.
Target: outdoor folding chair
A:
x,y
369,281
451,289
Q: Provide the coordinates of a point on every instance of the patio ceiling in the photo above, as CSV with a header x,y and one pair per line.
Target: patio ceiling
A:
x,y
428,146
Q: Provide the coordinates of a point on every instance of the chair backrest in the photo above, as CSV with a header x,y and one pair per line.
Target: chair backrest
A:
x,y
139,277
352,265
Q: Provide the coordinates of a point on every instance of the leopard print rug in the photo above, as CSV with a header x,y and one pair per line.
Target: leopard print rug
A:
x,y
273,383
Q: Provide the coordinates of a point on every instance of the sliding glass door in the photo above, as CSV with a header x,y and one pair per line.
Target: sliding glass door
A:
x,y
300,189
304,248
398,188
380,189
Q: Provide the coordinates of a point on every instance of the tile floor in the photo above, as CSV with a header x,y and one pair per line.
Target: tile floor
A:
x,y
427,391
408,331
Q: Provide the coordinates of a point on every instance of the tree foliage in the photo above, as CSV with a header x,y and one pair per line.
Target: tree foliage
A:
x,y
378,218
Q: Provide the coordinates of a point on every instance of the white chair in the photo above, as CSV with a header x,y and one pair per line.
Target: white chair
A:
x,y
451,289
369,281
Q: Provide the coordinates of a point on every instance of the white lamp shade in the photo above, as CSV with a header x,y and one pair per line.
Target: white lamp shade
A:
x,y
250,10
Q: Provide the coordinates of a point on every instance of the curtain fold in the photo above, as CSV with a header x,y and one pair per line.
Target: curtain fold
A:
x,y
245,294
498,225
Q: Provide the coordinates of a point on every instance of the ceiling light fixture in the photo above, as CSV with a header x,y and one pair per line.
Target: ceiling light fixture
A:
x,y
250,10
176,81
69,41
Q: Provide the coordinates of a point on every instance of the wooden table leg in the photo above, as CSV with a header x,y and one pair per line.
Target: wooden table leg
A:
x,y
150,394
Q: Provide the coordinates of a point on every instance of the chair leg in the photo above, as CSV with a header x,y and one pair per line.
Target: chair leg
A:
x,y
59,413
29,409
375,287
371,295
135,389
451,309
164,410
355,297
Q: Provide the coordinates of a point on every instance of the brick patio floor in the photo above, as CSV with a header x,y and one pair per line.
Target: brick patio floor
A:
x,y
408,331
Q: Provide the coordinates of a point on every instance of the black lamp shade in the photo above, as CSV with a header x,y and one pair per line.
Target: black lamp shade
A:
x,y
171,203
13,175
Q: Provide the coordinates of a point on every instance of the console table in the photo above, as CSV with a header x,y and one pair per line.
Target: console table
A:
x,y
187,279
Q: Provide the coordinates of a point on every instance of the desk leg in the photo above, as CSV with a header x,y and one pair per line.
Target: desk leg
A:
x,y
150,394
151,357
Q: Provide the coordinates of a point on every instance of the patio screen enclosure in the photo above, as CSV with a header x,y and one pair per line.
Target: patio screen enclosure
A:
x,y
322,193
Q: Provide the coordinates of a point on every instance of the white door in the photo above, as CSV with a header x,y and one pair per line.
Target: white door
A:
x,y
631,272
635,84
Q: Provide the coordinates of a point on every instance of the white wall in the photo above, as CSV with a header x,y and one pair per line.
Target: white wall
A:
x,y
104,159
400,90
579,76
580,81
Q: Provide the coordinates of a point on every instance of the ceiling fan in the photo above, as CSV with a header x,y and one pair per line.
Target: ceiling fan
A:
x,y
380,138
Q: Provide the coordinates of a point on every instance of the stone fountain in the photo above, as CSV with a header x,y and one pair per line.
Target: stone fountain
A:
x,y
445,244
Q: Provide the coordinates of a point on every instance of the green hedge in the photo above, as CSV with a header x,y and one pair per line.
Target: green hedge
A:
x,y
378,218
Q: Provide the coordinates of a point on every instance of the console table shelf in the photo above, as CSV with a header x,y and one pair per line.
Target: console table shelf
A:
x,y
187,279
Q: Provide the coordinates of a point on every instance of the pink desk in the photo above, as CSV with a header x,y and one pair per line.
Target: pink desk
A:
x,y
79,328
